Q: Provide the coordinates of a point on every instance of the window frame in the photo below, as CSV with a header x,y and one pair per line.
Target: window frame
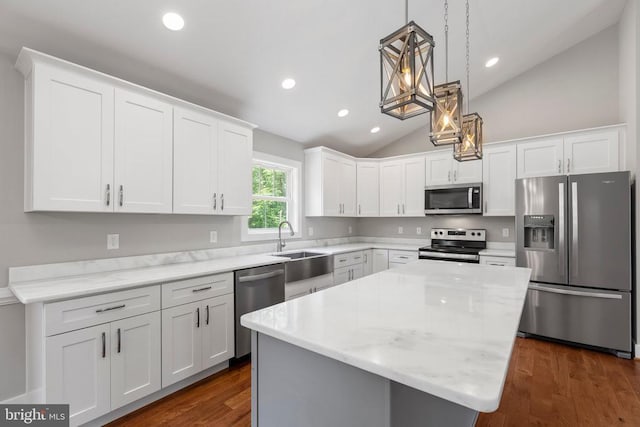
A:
x,y
293,170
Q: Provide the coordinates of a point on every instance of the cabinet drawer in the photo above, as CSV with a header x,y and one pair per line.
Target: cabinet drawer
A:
x,y
79,313
196,289
351,258
498,260
402,257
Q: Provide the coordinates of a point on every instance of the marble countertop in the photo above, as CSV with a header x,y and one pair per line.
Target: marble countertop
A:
x,y
498,252
440,327
74,286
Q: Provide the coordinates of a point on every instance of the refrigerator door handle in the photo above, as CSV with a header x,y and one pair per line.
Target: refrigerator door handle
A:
x,y
574,229
561,232
575,293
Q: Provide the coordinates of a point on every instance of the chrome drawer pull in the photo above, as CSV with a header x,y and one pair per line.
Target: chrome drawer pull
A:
x,y
119,342
116,307
206,288
104,345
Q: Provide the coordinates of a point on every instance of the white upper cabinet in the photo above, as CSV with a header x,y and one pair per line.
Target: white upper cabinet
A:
x,y
540,158
143,153
330,183
401,187
592,152
69,142
443,169
498,181
589,151
234,169
195,162
368,184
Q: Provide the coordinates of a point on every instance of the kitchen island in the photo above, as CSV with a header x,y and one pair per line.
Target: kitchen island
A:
x,y
428,343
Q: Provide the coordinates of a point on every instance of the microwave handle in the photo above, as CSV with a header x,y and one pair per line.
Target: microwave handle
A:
x,y
470,197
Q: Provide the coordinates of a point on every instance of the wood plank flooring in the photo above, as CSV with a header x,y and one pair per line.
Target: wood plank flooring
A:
x,y
548,385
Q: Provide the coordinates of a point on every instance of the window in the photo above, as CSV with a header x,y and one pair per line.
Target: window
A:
x,y
275,196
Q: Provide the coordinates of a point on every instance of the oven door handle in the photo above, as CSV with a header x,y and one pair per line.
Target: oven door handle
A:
x,y
445,255
470,197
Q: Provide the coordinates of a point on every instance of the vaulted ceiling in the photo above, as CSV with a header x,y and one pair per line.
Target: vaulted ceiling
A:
x,y
232,55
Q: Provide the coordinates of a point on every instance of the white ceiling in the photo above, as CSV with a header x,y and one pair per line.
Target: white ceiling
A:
x,y
232,55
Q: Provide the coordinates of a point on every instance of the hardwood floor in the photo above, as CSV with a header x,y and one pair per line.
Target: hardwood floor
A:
x,y
548,384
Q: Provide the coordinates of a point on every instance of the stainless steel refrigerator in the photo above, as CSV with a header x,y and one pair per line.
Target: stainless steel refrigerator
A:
x,y
574,232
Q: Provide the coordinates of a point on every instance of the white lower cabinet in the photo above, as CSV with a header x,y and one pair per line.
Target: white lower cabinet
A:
x,y
346,274
398,258
380,260
304,287
498,260
196,336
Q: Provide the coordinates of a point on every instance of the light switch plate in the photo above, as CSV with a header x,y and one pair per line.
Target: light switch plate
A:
x,y
505,232
418,230
213,236
310,232
113,241
400,230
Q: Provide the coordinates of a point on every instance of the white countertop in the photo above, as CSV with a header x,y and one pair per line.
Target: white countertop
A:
x,y
505,253
443,328
350,247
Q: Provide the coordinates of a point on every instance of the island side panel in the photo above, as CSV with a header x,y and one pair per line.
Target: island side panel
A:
x,y
296,387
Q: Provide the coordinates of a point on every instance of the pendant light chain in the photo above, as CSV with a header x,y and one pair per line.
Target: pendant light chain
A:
x,y
446,40
468,88
406,11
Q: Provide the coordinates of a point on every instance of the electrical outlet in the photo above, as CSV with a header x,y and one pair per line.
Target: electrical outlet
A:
x,y
418,230
213,236
310,231
350,229
113,241
400,230
505,232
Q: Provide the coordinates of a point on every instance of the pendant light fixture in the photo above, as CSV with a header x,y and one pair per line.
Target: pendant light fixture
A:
x,y
446,117
406,71
471,146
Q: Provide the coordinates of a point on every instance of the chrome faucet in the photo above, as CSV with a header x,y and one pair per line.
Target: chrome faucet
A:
x,y
281,243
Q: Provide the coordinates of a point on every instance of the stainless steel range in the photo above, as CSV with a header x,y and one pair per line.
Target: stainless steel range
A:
x,y
455,244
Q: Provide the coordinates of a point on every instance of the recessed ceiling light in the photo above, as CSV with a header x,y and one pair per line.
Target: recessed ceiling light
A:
x,y
491,62
375,129
343,112
288,83
173,21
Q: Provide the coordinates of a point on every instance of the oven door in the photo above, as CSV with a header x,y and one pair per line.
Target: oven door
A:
x,y
449,256
453,199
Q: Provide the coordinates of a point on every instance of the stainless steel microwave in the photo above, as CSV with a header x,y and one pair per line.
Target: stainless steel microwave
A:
x,y
453,199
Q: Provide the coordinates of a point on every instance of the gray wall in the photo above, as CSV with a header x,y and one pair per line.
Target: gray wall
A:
x,y
39,238
575,89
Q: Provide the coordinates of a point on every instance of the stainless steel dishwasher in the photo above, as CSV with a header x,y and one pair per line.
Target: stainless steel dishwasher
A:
x,y
255,288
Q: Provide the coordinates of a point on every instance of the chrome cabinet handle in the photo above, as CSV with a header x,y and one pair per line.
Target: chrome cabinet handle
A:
x,y
398,209
198,317
108,194
449,176
403,257
568,165
116,307
119,341
222,202
121,195
403,209
359,209
215,201
455,176
365,257
104,345
559,166
206,288
207,322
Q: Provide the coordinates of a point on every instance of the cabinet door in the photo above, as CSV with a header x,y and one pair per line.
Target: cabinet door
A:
x,y
438,168
357,271
540,158
135,358
181,342
77,372
72,143
331,170
217,330
195,162
414,176
235,157
143,153
347,187
380,260
592,152
467,172
498,180
341,275
391,188
367,262
368,188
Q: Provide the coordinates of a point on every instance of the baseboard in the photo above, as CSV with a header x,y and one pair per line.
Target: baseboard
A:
x,y
7,297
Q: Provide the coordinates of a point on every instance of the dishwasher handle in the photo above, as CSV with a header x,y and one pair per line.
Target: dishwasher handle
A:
x,y
256,277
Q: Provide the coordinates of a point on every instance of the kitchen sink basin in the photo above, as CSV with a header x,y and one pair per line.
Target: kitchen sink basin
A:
x,y
305,265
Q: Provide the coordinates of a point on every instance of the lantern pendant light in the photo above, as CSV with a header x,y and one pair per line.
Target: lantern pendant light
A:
x,y
471,146
406,71
446,117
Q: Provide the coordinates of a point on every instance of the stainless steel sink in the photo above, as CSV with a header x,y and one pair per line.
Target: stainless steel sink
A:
x,y
305,265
